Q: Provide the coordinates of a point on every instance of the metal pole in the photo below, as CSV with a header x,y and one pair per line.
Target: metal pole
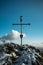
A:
x,y
21,33
21,36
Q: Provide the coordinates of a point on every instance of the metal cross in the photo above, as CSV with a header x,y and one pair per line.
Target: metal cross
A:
x,y
21,35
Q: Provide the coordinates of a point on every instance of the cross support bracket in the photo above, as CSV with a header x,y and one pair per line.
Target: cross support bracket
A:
x,y
21,36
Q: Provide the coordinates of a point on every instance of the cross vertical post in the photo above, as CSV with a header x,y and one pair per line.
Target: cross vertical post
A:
x,y
21,36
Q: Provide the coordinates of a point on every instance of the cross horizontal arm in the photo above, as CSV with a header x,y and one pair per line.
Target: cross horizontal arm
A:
x,y
22,24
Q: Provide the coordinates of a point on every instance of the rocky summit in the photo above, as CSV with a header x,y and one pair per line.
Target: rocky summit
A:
x,y
14,54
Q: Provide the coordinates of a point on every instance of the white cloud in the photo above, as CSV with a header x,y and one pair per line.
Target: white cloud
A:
x,y
13,35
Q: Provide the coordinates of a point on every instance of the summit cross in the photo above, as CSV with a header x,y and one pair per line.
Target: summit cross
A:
x,y
21,35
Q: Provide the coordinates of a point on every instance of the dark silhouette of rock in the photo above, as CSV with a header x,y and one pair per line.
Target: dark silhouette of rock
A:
x,y
14,54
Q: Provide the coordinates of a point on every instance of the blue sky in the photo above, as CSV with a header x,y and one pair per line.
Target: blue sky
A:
x,y
32,12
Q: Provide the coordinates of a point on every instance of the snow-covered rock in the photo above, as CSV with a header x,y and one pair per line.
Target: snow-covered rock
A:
x,y
14,54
